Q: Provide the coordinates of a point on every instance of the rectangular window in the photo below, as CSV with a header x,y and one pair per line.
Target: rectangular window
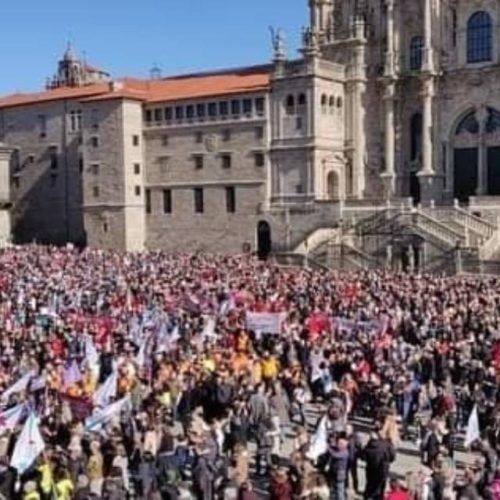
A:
x,y
148,116
198,162
95,191
75,120
212,109
137,168
198,200
137,190
235,107
200,110
16,181
135,140
147,194
259,133
259,105
94,119
158,114
190,111
42,126
168,114
164,140
259,159
80,164
226,161
95,169
226,135
223,108
179,112
94,141
230,200
298,123
167,201
54,159
247,106
198,137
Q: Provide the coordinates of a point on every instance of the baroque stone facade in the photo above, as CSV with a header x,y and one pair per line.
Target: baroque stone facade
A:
x,y
389,100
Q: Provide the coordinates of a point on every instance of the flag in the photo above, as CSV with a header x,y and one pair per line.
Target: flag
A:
x,y
107,391
319,441
19,386
72,374
472,433
141,357
91,356
28,446
103,416
10,418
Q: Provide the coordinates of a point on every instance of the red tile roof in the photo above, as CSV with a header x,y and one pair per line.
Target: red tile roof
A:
x,y
230,82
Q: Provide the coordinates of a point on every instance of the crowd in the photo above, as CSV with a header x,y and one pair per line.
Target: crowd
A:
x,y
154,376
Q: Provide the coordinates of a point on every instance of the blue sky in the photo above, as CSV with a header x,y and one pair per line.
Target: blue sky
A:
x,y
126,37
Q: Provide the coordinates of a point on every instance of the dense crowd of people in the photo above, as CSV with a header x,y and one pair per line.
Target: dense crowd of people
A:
x,y
155,376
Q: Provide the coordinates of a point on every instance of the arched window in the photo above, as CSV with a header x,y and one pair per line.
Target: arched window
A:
x,y
479,37
469,124
290,105
324,103
416,51
493,121
339,102
302,100
331,102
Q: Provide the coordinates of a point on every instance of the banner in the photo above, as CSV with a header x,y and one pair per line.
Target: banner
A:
x,y
472,433
81,407
265,322
28,446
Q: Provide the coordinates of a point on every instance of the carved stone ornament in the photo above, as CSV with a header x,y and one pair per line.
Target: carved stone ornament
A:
x,y
211,143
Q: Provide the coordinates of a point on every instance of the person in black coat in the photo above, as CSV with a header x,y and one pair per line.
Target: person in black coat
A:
x,y
378,455
8,476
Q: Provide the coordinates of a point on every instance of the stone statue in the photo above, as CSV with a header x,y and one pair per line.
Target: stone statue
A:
x,y
278,43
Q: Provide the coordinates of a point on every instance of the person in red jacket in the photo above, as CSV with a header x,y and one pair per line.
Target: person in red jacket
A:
x,y
397,492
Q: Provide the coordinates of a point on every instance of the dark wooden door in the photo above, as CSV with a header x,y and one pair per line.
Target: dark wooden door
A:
x,y
465,173
264,242
494,171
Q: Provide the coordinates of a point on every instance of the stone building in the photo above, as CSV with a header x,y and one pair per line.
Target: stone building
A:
x,y
387,122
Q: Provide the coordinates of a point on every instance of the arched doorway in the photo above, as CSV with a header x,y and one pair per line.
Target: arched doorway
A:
x,y
415,155
465,157
332,186
264,242
476,167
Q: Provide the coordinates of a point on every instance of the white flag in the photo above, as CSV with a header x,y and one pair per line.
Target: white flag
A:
x,y
103,416
472,433
91,356
107,391
28,446
10,418
19,386
319,441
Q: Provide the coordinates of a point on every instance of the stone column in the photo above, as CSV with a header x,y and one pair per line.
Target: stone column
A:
x,y
358,111
389,174
427,143
5,196
427,175
428,62
482,174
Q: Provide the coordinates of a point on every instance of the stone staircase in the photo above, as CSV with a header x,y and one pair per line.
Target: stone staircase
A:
x,y
445,231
